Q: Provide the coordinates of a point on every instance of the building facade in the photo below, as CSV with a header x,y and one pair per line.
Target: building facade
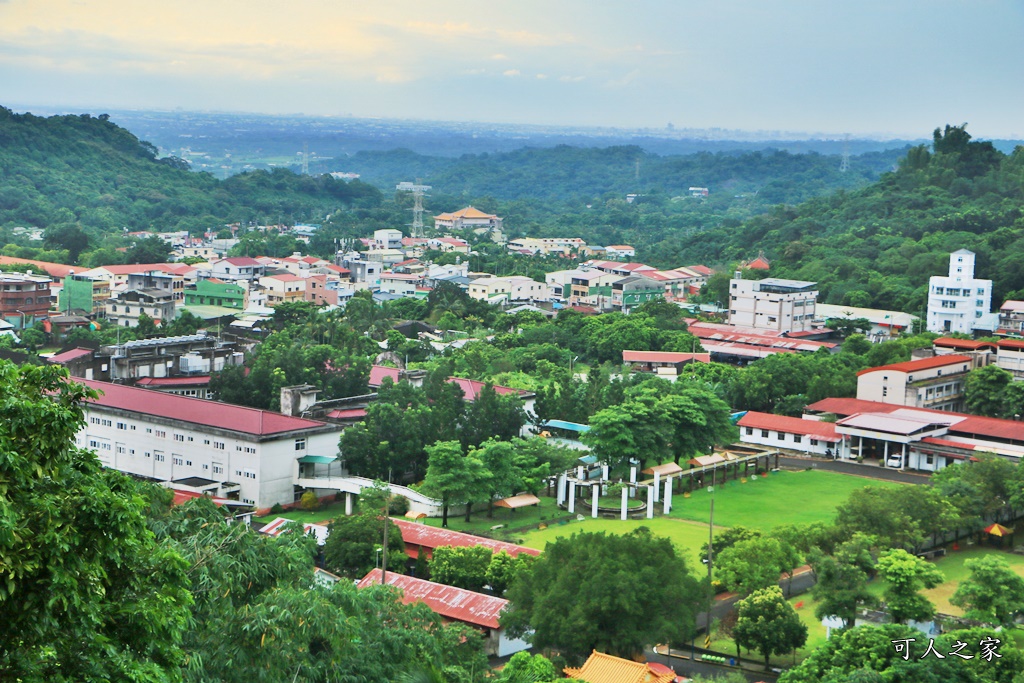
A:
x,y
238,453
958,302
936,383
24,299
772,304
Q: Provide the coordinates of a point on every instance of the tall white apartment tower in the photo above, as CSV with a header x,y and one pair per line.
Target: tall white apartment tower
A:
x,y
958,302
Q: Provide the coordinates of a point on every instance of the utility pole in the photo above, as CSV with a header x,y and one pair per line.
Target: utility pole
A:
x,y
844,163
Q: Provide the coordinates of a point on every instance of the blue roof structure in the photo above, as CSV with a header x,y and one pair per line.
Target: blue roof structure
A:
x,y
570,426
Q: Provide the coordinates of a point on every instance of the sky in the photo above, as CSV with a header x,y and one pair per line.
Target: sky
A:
x,y
892,68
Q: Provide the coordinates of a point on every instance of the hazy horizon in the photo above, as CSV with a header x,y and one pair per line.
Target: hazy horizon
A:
x,y
877,70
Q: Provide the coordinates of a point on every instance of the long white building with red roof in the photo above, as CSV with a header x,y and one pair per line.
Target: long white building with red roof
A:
x,y
240,453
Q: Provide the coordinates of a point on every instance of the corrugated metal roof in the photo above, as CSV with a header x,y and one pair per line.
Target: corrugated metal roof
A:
x,y
432,537
70,355
663,357
822,431
919,364
450,602
197,410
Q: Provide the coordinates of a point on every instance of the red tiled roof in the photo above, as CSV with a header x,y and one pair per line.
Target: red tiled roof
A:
x,y
337,269
972,344
946,442
242,261
181,497
56,270
197,410
971,424
379,372
663,357
703,270
823,431
1012,305
920,364
129,268
450,602
425,536
285,277
198,380
1011,344
471,388
70,355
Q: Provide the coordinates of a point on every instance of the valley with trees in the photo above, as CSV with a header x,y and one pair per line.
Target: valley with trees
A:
x,y
102,578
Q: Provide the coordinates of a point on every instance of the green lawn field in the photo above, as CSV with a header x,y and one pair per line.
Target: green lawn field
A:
x,y
772,500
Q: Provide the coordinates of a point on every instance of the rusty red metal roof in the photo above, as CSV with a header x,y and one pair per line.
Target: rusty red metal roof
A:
x,y
919,364
663,357
823,431
426,536
450,602
197,410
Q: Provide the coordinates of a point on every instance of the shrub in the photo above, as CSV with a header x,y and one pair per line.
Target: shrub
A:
x,y
276,509
309,501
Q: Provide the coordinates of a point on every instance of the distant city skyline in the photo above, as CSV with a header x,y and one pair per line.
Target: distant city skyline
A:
x,y
869,69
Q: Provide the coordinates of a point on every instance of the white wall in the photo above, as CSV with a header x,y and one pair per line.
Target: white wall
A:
x,y
785,441
264,470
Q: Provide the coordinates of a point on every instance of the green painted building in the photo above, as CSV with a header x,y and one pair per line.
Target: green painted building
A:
x,y
84,294
214,292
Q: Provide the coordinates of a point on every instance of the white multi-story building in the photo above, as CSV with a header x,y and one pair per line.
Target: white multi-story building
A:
x,y
958,302
231,451
936,383
772,304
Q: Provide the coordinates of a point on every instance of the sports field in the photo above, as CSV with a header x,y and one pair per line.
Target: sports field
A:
x,y
774,499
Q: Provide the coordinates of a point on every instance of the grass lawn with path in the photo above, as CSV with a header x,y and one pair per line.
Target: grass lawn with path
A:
x,y
771,500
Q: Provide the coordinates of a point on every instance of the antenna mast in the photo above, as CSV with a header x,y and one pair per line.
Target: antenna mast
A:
x,y
305,158
844,164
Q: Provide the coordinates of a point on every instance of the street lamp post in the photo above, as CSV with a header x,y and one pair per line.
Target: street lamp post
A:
x,y
711,557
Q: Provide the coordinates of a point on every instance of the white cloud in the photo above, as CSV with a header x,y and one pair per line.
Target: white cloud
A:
x,y
499,57
541,77
572,79
511,73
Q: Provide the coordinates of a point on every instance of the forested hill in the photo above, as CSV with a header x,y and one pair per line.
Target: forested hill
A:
x,y
86,170
879,245
588,173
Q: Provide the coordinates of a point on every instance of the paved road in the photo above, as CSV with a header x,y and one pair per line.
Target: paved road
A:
x,y
870,471
684,666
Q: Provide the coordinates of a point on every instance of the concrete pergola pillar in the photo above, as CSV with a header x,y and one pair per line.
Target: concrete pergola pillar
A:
x,y
572,497
657,481
650,502
668,495
348,504
561,489
632,475
604,472
595,493
625,493
579,472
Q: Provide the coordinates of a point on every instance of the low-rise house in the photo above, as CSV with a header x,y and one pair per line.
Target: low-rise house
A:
x,y
24,299
238,268
217,292
471,388
283,288
129,305
477,610
512,288
936,382
635,290
1011,318
449,244
546,245
663,363
85,293
779,431
619,251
